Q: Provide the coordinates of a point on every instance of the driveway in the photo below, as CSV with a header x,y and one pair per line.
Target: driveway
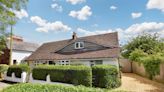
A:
x,y
135,83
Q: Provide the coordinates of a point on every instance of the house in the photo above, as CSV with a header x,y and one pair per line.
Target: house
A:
x,y
89,50
20,50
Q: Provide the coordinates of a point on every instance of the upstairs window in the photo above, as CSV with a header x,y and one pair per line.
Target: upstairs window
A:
x,y
79,45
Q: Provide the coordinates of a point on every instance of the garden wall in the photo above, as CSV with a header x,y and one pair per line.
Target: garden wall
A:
x,y
126,65
139,69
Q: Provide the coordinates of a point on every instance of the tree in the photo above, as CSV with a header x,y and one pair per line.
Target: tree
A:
x,y
8,17
148,43
148,50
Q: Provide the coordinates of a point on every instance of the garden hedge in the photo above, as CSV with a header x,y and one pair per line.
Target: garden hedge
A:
x,y
105,76
3,68
50,88
77,75
17,69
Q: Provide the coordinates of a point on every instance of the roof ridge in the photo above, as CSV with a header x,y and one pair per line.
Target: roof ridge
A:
x,y
81,37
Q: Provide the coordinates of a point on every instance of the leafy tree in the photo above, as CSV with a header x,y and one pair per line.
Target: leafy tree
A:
x,y
8,17
146,49
148,43
137,55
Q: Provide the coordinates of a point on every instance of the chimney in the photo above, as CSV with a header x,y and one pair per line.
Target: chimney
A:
x,y
74,36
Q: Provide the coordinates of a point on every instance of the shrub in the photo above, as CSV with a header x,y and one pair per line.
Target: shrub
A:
x,y
105,76
50,88
137,54
3,68
77,75
17,69
151,64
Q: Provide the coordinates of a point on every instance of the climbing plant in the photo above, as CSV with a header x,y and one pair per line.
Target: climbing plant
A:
x,y
146,49
152,65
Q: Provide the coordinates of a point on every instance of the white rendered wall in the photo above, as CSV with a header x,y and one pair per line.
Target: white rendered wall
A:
x,y
19,55
106,61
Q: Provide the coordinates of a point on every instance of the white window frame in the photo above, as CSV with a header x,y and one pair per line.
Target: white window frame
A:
x,y
79,47
64,62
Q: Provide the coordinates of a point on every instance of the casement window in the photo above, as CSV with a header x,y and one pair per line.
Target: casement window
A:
x,y
38,62
79,45
64,62
96,62
51,63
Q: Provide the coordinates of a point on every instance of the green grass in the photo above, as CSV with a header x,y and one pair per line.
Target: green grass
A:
x,y
28,87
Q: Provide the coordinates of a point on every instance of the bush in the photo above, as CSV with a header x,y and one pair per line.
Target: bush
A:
x,y
50,88
3,68
151,64
105,76
17,69
77,75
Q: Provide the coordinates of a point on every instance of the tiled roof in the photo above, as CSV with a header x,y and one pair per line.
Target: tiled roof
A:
x,y
47,50
23,46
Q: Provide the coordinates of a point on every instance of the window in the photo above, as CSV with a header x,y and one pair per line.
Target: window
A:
x,y
79,45
64,62
52,63
38,62
96,62
14,61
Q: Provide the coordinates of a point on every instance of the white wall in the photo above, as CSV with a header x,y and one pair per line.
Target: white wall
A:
x,y
106,61
19,55
111,61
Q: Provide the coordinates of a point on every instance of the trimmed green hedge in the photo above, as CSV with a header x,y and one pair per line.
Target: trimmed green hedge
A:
x,y
17,69
27,87
105,76
3,68
77,75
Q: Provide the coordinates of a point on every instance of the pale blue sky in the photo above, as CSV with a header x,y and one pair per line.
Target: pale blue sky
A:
x,y
89,17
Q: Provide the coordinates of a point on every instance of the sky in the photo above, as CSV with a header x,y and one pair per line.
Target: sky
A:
x,y
52,20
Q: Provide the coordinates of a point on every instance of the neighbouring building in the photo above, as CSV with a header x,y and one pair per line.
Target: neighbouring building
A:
x,y
89,50
20,50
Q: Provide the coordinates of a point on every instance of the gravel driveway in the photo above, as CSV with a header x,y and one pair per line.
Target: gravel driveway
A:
x,y
135,83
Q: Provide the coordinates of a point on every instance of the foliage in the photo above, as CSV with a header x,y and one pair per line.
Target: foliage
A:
x,y
148,43
2,44
147,49
3,68
8,17
137,54
105,76
152,65
27,87
17,69
77,75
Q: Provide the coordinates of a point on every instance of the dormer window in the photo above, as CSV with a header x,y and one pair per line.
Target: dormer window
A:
x,y
79,45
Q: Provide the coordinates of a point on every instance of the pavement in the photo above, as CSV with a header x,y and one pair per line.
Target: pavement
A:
x,y
130,83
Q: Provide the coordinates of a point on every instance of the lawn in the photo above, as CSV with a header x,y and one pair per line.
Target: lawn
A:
x,y
28,87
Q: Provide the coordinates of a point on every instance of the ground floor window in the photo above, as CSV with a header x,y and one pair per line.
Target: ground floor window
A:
x,y
64,62
96,62
14,61
38,62
52,63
